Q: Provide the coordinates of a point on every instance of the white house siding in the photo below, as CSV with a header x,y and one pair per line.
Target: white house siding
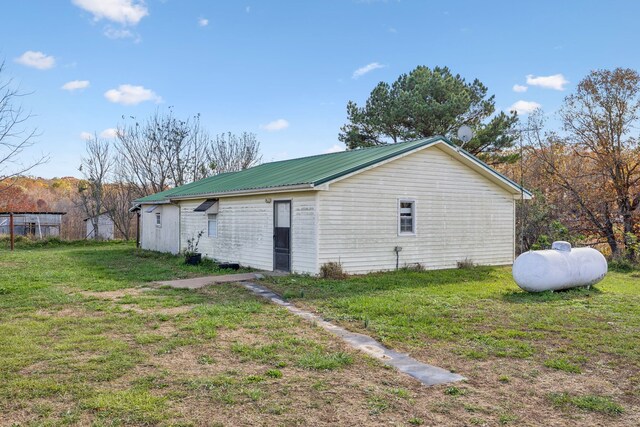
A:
x,y
460,215
105,228
245,230
163,238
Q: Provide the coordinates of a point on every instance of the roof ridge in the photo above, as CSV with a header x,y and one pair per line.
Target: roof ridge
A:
x,y
357,150
309,171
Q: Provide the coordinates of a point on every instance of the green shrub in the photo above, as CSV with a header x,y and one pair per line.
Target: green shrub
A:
x,y
332,270
622,265
466,263
416,266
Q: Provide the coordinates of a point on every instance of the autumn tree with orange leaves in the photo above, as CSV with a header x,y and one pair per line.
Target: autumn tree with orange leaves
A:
x,y
592,168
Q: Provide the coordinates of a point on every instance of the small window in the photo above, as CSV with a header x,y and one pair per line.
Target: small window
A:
x,y
213,225
158,220
407,217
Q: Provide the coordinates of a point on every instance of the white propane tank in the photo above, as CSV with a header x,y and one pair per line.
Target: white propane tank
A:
x,y
559,268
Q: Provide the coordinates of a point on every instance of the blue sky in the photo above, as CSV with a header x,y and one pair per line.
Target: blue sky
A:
x,y
285,70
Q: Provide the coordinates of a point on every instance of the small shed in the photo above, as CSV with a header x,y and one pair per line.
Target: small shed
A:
x,y
105,227
33,224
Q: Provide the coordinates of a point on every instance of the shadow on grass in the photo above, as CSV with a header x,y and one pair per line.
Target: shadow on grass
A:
x,y
360,285
524,297
103,265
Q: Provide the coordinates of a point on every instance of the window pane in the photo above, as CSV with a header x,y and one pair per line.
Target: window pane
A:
x,y
213,225
283,215
406,217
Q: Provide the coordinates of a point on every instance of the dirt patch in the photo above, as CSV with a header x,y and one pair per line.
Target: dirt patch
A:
x,y
170,311
519,388
10,264
32,413
73,311
365,393
113,295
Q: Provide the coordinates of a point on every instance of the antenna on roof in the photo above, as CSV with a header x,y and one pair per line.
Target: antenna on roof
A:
x,y
465,133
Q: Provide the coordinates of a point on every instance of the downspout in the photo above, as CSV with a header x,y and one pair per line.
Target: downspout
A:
x,y
138,228
317,231
11,230
179,227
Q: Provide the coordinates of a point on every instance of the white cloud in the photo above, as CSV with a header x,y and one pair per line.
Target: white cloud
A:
x,y
520,88
36,60
85,136
109,133
118,33
276,125
203,22
125,12
131,95
524,107
335,148
75,85
556,81
366,69
248,9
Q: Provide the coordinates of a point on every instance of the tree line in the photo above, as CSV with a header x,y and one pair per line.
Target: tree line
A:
x,y
585,173
152,155
582,162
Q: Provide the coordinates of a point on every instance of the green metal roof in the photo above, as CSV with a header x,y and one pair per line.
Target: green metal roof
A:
x,y
310,171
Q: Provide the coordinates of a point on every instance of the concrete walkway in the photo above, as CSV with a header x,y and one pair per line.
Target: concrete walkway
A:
x,y
201,282
426,374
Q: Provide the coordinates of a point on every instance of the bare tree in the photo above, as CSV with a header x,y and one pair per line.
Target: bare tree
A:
x,y
15,136
231,153
118,198
162,152
95,168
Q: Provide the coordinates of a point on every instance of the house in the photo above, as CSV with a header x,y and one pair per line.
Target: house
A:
x,y
32,224
371,209
105,227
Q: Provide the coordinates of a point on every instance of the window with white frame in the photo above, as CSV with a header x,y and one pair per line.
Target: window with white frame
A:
x,y
158,220
213,225
406,216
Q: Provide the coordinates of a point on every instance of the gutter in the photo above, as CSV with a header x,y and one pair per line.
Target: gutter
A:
x,y
157,202
268,190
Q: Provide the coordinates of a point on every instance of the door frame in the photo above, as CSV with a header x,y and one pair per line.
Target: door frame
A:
x,y
273,245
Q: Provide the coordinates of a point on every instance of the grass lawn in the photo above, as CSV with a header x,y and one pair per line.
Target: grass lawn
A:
x,y
87,339
565,358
